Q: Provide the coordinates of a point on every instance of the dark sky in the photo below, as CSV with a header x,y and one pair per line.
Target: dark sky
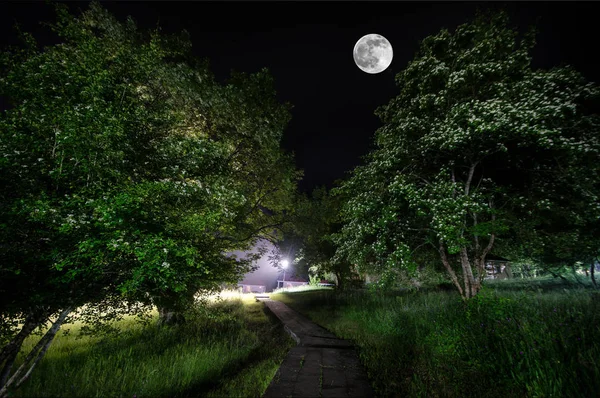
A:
x,y
308,48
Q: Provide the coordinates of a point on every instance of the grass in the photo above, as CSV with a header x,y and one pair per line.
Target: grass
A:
x,y
232,350
536,338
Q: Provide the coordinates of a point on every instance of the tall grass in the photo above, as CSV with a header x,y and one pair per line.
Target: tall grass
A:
x,y
232,350
514,339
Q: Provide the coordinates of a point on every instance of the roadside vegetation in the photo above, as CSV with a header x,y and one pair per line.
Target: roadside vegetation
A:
x,y
129,175
230,348
536,338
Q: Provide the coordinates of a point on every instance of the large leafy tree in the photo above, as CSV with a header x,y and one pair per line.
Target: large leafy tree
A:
x,y
476,145
128,173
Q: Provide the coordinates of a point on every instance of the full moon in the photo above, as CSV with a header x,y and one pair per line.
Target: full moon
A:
x,y
373,53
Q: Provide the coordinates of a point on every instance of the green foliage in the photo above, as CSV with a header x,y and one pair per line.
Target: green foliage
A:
x,y
477,151
128,170
513,339
128,173
314,221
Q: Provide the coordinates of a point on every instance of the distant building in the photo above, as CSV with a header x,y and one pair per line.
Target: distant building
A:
x,y
291,281
497,267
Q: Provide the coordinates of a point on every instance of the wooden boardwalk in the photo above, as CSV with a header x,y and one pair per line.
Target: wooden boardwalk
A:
x,y
321,365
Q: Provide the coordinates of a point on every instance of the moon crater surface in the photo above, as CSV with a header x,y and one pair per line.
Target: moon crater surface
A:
x,y
373,53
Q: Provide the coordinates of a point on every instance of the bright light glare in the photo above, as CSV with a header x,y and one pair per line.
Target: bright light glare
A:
x,y
284,263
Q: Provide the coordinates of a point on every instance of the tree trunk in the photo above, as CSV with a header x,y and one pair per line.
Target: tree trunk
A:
x,y
575,275
471,285
480,270
36,354
592,274
448,267
340,281
169,316
559,276
11,350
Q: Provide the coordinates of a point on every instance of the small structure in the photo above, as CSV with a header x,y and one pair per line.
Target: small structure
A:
x,y
326,283
497,267
252,288
292,281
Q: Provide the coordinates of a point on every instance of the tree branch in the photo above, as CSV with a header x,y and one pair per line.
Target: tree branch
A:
x,y
442,251
253,234
475,233
453,183
470,177
487,249
257,204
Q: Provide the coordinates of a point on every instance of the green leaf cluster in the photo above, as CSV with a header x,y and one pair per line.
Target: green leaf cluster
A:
x,y
128,171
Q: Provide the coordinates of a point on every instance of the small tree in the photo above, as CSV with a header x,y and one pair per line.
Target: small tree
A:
x,y
314,221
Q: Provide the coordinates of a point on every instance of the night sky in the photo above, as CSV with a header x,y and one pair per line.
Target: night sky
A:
x,y
308,46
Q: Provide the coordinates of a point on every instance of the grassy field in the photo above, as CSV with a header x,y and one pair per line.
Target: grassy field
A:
x,y
537,338
233,351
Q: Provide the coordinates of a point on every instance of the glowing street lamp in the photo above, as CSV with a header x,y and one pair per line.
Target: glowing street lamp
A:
x,y
284,265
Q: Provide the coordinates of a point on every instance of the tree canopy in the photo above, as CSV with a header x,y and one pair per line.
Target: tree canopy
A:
x,y
128,171
477,150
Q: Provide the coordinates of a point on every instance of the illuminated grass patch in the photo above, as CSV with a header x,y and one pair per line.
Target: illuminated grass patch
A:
x,y
233,350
